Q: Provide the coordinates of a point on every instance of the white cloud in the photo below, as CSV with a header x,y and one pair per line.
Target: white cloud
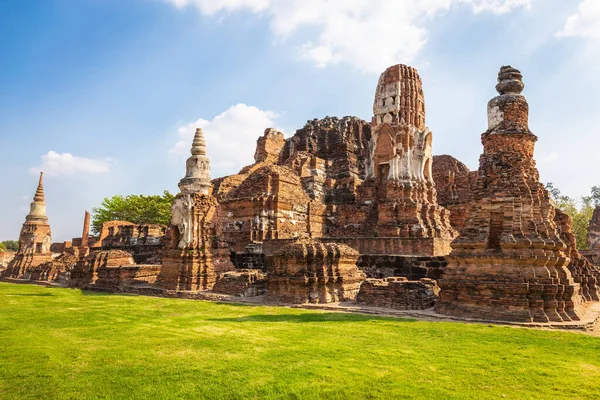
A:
x,y
366,34
55,164
496,6
585,23
230,137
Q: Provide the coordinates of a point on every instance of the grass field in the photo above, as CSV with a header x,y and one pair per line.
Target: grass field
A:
x,y
63,343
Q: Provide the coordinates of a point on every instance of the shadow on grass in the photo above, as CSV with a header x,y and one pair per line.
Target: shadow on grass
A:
x,y
95,293
31,294
312,317
225,303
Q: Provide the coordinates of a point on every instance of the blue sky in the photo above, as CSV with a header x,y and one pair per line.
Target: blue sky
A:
x,y
103,95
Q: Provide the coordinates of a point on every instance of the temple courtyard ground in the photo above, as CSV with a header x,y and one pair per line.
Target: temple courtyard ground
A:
x,y
60,343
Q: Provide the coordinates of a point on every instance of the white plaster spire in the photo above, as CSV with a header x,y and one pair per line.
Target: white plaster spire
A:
x,y
37,209
198,145
197,168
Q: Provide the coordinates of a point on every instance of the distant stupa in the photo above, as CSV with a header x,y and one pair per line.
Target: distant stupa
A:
x,y
35,238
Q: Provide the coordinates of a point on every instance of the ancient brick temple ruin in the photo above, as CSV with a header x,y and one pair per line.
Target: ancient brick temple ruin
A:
x,y
582,270
35,238
309,271
294,185
192,254
399,293
369,186
509,262
592,254
399,169
355,212
143,241
454,184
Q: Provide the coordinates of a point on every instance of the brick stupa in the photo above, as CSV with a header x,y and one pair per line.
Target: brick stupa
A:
x,y
509,262
187,258
35,238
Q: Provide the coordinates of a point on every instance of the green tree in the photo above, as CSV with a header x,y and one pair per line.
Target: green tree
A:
x,y
11,245
554,191
2,248
139,209
579,210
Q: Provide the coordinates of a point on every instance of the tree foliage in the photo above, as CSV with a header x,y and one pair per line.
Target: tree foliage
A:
x,y
2,248
139,209
11,245
581,210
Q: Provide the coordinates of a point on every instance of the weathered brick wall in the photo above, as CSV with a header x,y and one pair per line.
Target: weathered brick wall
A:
x,y
454,184
398,293
310,271
244,283
410,267
115,278
583,272
85,271
430,247
593,237
269,147
114,234
58,269
5,258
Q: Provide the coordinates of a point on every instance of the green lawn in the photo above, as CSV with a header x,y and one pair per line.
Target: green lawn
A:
x,y
63,343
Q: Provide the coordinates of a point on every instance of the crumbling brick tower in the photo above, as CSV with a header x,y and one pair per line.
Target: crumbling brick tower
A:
x,y
509,262
592,254
593,236
400,164
187,258
309,271
35,238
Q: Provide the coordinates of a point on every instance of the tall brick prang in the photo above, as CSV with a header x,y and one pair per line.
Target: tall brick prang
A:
x,y
401,160
509,262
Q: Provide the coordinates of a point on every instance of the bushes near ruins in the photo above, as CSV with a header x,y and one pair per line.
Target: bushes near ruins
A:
x,y
581,210
139,209
10,245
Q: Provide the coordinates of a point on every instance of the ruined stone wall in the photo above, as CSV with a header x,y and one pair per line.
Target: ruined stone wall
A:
x,y
269,147
270,204
285,194
85,271
5,258
410,267
117,278
143,241
428,247
342,143
244,283
398,293
310,271
593,237
583,272
455,185
59,269
124,233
